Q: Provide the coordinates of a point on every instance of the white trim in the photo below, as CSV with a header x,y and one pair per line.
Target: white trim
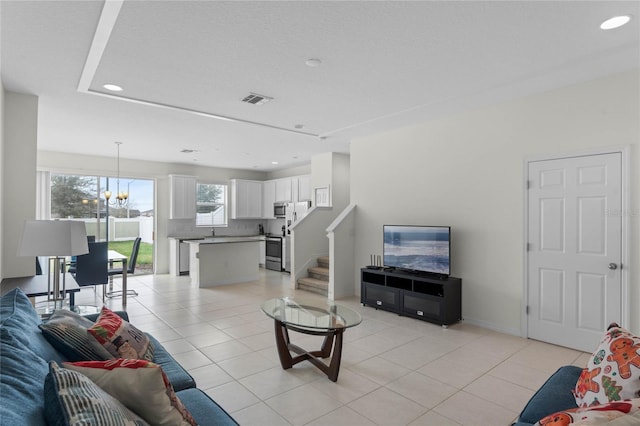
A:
x,y
43,195
524,322
108,18
625,165
626,233
338,220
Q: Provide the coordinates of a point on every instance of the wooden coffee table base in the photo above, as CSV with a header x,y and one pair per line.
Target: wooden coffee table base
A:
x,y
285,347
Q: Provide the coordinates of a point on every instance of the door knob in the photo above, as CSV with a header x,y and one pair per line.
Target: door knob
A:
x,y
613,266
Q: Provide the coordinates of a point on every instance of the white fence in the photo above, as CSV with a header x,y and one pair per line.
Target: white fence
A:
x,y
122,229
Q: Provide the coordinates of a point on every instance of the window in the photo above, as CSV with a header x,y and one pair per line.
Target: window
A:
x,y
75,197
211,204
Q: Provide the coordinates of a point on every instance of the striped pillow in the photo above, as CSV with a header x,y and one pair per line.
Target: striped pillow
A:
x,y
71,398
67,332
140,385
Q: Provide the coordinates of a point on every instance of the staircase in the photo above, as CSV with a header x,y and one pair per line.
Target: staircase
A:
x,y
318,279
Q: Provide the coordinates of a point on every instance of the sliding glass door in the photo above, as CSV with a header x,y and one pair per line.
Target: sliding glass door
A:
x,y
78,197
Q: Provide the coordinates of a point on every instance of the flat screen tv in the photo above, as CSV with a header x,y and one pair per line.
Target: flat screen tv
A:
x,y
418,248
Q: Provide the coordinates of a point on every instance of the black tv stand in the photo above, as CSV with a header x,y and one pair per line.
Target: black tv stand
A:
x,y
433,298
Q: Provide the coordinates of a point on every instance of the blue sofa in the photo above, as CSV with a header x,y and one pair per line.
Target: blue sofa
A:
x,y
24,359
554,396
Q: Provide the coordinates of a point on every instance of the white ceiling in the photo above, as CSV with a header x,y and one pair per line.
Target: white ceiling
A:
x,y
385,64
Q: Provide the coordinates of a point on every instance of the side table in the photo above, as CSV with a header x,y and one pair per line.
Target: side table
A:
x,y
317,318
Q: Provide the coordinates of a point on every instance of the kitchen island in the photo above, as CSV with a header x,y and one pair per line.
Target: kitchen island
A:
x,y
224,260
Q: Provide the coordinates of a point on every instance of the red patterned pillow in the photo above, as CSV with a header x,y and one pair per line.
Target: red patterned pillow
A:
x,y
120,338
613,371
140,385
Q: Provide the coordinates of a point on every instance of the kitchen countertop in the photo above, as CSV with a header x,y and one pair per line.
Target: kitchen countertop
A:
x,y
187,238
224,240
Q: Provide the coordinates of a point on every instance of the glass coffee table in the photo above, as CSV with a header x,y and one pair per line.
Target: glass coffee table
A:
x,y
314,317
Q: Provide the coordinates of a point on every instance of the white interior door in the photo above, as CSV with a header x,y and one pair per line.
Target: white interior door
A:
x,y
574,249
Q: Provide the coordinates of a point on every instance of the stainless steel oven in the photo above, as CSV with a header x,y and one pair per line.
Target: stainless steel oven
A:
x,y
273,253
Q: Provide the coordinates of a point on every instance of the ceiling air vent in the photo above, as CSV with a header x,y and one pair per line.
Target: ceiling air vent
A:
x,y
255,99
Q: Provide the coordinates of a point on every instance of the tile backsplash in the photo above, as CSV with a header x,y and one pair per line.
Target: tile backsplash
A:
x,y
187,228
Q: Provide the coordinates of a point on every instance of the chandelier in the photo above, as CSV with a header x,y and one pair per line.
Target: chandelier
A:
x,y
122,197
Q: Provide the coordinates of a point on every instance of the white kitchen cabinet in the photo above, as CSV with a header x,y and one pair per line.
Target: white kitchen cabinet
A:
x,y
182,197
268,198
263,253
246,199
302,187
293,189
283,190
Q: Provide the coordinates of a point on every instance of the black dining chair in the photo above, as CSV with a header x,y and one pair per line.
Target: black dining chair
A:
x,y
92,268
72,263
131,268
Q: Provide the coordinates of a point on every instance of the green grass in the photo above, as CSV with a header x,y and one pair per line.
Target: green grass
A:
x,y
145,254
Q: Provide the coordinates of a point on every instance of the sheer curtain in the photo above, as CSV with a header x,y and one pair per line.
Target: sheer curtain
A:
x,y
43,195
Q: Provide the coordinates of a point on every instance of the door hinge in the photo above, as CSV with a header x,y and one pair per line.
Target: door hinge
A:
x,y
527,185
526,310
528,248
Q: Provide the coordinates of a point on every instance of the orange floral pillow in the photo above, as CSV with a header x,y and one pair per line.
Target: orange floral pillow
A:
x,y
613,371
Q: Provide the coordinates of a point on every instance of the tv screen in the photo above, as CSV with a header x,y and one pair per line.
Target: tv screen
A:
x,y
418,248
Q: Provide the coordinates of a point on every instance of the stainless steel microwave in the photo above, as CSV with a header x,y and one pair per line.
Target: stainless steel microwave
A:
x,y
279,209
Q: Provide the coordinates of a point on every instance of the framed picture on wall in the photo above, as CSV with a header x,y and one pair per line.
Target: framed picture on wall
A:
x,y
322,195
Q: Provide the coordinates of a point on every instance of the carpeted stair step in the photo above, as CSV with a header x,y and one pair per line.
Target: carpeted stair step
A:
x,y
323,262
319,273
314,285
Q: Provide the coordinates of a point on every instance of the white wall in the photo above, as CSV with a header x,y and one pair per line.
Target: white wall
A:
x,y
467,171
342,248
333,170
19,179
293,171
340,178
1,177
93,165
309,235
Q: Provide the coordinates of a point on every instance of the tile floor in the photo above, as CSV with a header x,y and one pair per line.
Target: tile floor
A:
x,y
395,370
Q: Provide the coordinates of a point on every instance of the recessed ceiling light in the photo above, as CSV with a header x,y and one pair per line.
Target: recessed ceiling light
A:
x,y
274,162
615,22
113,87
313,62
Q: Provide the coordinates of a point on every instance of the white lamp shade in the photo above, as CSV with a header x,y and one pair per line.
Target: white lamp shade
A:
x,y
53,238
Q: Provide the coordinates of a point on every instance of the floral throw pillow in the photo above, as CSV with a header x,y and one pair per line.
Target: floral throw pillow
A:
x,y
140,385
613,371
120,338
596,415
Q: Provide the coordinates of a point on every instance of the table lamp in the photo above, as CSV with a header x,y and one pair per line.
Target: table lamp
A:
x,y
56,239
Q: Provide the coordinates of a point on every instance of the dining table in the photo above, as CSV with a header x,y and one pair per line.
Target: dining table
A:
x,y
38,285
